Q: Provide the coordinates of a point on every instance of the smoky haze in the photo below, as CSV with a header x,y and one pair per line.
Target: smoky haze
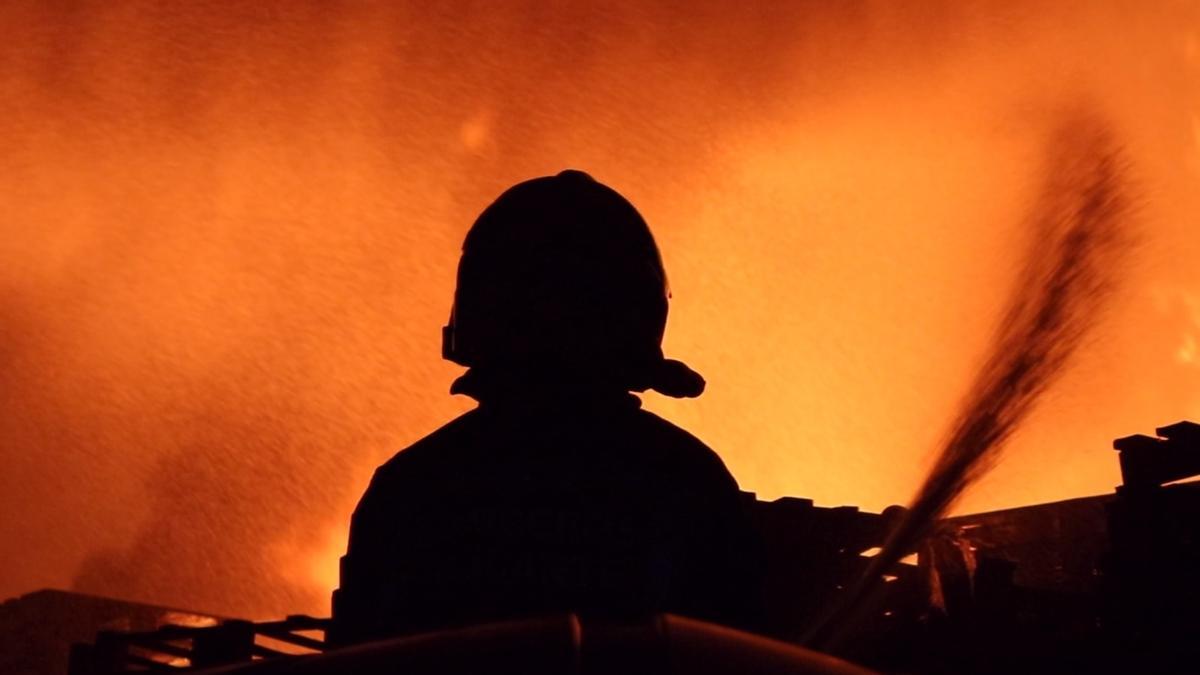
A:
x,y
230,232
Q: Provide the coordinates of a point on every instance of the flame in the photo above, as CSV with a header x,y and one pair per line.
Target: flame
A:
x,y
230,234
324,566
188,620
1187,352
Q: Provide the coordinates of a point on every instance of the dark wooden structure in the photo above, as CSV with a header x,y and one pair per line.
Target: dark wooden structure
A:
x,y
1094,584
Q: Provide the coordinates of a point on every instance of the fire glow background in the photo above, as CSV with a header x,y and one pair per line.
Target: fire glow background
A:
x,y
229,234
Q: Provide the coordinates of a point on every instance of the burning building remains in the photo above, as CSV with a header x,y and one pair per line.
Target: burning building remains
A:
x,y
1093,584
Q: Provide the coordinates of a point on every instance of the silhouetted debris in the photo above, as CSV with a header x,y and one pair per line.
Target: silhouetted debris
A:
x,y
37,629
1095,584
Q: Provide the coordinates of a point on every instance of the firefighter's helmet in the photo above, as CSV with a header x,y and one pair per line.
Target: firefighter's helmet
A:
x,y
561,274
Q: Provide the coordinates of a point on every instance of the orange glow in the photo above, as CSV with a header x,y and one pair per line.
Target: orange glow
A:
x,y
230,234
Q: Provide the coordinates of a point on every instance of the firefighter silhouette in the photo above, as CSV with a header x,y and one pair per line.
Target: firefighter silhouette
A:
x,y
558,492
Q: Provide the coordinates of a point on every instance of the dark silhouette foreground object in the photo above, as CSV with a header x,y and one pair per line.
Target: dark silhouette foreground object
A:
x,y
1101,584
558,493
570,645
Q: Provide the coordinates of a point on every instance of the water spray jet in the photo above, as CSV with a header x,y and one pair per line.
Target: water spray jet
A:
x,y
1079,227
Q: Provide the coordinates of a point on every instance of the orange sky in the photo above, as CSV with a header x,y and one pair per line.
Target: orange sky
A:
x,y
230,232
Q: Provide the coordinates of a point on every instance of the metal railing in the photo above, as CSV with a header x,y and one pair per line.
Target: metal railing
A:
x,y
176,648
